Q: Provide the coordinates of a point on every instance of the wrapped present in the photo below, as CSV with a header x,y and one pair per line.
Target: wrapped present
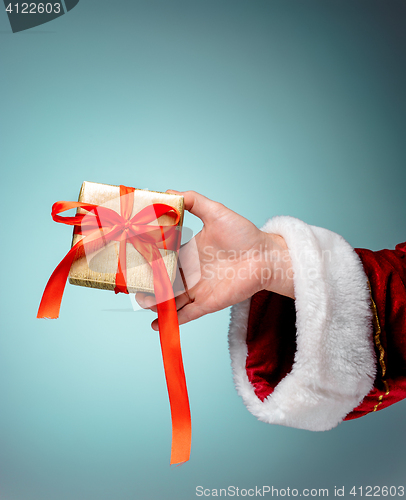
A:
x,y
125,240
98,269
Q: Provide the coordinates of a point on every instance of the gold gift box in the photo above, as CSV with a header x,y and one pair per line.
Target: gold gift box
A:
x,y
98,269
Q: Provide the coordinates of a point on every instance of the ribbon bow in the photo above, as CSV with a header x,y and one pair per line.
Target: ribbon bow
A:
x,y
100,226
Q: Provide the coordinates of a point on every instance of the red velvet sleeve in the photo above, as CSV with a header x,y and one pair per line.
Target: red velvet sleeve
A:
x,y
386,272
271,333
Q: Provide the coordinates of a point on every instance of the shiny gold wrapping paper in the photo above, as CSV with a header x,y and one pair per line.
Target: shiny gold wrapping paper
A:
x,y
98,269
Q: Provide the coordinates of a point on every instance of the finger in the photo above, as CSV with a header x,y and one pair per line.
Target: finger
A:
x,y
145,300
182,300
189,313
197,204
185,315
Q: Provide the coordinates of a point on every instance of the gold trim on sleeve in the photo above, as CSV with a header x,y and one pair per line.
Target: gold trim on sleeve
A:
x,y
377,340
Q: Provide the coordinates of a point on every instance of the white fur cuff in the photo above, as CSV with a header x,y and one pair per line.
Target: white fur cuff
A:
x,y
334,366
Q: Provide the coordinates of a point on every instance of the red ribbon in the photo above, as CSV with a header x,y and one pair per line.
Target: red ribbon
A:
x,y
100,225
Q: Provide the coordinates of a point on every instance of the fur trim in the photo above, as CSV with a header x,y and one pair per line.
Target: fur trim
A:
x,y
334,366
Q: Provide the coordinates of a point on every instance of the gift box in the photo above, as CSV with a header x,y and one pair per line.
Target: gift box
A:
x,y
98,269
126,240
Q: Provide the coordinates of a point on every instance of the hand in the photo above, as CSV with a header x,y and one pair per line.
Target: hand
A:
x,y
233,261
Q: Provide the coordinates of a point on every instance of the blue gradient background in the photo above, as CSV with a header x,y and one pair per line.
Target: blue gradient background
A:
x,y
271,107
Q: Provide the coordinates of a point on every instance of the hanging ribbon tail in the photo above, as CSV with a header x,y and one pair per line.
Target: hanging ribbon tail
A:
x,y
52,296
173,365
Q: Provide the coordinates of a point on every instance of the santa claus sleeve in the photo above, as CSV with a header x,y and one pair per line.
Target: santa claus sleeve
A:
x,y
338,351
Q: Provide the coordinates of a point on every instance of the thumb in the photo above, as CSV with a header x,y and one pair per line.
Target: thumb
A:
x,y
197,204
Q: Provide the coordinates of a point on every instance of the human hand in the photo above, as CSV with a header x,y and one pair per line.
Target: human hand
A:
x,y
233,261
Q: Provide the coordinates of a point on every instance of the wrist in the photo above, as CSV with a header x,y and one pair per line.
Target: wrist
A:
x,y
276,265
